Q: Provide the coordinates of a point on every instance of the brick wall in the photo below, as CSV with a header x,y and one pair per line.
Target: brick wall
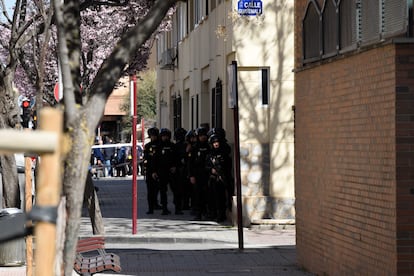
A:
x,y
345,173
354,160
405,157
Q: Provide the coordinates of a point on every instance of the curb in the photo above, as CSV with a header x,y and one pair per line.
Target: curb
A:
x,y
170,240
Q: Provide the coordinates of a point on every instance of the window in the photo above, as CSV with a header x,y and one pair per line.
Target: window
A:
x,y
395,17
330,28
194,112
311,32
200,10
177,111
347,25
369,29
206,10
175,30
217,105
182,21
344,25
161,46
197,12
190,15
213,107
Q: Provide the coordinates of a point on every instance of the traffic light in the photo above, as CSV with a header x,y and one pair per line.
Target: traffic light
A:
x,y
26,113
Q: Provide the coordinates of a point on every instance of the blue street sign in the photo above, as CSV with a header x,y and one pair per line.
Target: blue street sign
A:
x,y
250,7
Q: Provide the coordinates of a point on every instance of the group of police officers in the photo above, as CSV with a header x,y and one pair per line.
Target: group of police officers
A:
x,y
196,167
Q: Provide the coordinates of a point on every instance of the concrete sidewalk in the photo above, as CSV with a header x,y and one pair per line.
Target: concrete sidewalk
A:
x,y
178,245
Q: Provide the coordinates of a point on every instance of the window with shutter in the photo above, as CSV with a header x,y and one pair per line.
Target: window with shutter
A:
x,y
347,25
369,21
330,28
395,17
311,32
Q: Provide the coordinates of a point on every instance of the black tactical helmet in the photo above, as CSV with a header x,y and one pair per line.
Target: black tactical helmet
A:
x,y
220,132
201,131
179,134
191,133
153,131
214,138
165,132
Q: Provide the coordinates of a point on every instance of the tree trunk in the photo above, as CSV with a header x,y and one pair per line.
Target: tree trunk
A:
x,y
76,163
11,191
94,209
9,117
81,122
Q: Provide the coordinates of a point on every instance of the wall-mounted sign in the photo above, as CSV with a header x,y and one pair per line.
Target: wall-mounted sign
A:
x,y
250,7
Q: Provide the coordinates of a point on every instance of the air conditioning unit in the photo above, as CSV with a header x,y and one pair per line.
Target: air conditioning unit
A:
x,y
168,59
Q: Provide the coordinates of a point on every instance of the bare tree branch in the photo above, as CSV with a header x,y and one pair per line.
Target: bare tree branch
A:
x,y
43,51
63,53
16,14
114,3
4,11
23,11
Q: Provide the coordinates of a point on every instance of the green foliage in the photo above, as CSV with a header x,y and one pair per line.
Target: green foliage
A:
x,y
146,104
147,96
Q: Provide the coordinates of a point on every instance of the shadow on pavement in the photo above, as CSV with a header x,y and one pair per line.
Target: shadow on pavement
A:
x,y
178,245
261,261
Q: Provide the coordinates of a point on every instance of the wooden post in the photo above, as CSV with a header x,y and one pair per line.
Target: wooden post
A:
x,y
48,193
28,201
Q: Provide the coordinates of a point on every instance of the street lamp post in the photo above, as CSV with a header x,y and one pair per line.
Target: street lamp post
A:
x,y
233,104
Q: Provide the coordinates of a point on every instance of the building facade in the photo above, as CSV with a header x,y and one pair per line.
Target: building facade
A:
x,y
111,123
192,85
354,105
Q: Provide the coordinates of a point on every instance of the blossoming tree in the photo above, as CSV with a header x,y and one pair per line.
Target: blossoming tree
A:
x,y
96,43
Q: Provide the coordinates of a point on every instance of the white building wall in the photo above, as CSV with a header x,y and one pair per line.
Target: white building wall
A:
x,y
266,131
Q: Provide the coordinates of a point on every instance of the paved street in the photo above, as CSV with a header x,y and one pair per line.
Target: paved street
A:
x,y
178,245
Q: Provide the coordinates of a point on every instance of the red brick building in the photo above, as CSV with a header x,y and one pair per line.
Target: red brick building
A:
x,y
354,137
111,123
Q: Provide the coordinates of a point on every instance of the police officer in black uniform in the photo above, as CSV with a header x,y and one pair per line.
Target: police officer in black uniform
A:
x,y
219,166
198,172
181,179
150,150
225,147
188,196
165,166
